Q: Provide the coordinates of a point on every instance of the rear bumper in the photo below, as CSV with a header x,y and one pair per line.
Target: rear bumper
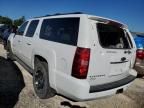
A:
x,y
81,90
108,86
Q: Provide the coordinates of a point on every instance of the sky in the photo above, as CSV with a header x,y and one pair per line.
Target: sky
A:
x,y
130,12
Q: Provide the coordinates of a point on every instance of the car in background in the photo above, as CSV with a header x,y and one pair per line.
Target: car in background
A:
x,y
139,65
1,30
3,27
139,40
5,31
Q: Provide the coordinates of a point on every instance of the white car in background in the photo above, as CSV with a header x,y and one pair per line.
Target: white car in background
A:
x,y
77,55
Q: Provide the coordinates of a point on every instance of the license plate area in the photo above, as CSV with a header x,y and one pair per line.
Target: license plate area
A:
x,y
118,69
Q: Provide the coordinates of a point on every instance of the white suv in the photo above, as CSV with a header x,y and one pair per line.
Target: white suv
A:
x,y
77,55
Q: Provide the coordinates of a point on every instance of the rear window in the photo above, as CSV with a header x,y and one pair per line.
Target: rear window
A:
x,y
62,30
113,37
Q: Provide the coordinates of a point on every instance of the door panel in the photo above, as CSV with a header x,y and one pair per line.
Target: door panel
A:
x,y
27,50
17,40
17,45
27,45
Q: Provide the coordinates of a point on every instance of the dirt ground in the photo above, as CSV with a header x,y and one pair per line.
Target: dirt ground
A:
x,y
16,90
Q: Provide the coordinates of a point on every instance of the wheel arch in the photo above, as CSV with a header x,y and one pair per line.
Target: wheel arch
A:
x,y
50,60
40,58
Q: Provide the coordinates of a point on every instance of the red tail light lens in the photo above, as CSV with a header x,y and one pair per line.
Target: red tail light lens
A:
x,y
81,63
140,54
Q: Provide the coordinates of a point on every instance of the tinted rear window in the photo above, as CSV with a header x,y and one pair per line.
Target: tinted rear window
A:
x,y
111,36
62,30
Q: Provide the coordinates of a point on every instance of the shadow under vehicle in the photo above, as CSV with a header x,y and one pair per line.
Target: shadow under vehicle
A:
x,y
11,83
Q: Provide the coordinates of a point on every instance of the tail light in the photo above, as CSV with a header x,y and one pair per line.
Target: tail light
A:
x,y
140,54
81,63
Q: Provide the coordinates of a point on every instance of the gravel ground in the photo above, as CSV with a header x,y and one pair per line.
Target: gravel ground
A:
x,y
18,92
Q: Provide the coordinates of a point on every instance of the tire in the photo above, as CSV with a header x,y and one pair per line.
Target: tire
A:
x,y
41,80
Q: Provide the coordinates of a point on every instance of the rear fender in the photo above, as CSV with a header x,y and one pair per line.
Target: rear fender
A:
x,y
50,57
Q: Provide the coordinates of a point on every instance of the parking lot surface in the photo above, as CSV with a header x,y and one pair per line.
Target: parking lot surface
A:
x,y
16,90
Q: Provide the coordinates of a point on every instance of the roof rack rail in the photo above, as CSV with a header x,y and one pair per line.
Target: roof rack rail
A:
x,y
65,13
56,14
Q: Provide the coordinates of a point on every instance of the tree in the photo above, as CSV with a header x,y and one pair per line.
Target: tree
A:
x,y
19,21
6,20
10,22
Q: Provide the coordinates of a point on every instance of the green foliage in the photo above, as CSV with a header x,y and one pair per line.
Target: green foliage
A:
x,y
8,21
5,20
19,21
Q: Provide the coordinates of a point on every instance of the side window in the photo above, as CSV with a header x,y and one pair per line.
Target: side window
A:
x,y
62,30
22,28
32,28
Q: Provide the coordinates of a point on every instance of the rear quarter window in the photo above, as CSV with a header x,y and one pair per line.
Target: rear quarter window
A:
x,y
113,37
62,30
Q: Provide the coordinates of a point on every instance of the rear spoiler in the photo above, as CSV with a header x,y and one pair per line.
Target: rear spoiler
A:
x,y
108,21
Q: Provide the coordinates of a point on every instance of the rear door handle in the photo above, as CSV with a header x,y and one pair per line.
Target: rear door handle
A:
x,y
28,43
129,52
122,60
19,41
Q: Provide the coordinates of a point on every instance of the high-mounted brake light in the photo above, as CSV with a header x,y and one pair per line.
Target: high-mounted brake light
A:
x,y
81,63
